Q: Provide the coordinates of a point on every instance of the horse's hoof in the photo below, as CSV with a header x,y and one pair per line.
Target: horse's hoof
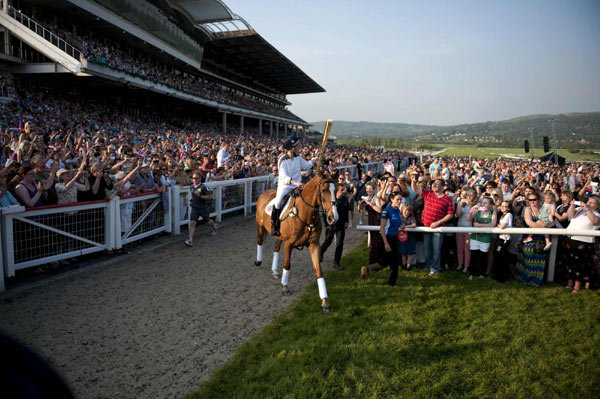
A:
x,y
257,263
286,293
276,276
326,308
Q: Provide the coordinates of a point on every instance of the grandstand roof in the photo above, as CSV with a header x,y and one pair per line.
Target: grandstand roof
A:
x,y
254,57
234,45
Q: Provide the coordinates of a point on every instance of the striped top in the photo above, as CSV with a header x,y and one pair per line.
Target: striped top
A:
x,y
435,207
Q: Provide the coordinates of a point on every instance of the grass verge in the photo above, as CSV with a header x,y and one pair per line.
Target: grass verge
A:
x,y
428,337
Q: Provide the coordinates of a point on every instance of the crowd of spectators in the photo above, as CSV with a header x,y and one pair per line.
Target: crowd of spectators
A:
x,y
118,56
469,192
62,149
151,69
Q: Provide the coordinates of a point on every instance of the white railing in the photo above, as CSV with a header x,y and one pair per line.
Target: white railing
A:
x,y
43,32
140,216
494,230
50,234
38,236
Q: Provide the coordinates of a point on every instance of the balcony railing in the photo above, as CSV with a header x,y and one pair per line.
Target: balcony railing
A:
x,y
45,33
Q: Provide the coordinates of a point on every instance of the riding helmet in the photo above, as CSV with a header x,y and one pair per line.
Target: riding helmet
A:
x,y
291,143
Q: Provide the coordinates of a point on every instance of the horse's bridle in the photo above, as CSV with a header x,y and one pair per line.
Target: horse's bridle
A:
x,y
318,208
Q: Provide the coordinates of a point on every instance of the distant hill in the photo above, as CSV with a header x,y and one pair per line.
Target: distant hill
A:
x,y
572,128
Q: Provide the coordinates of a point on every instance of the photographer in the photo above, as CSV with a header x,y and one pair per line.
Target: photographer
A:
x,y
99,181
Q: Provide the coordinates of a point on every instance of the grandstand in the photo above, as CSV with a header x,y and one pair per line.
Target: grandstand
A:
x,y
198,55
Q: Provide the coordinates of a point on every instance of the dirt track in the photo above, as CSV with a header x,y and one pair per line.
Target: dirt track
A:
x,y
154,323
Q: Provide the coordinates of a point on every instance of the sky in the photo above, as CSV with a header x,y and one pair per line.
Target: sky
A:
x,y
436,62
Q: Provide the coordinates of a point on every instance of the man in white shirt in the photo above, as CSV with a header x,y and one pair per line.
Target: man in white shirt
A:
x,y
223,155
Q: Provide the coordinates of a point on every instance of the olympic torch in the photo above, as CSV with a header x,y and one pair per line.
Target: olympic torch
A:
x,y
324,143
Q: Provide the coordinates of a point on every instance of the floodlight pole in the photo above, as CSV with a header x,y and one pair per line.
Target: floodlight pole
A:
x,y
555,138
531,129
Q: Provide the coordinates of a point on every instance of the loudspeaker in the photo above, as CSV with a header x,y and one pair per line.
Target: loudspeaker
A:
x,y
526,145
546,144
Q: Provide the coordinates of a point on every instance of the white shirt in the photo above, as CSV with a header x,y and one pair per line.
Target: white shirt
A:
x,y
506,219
582,222
222,157
291,169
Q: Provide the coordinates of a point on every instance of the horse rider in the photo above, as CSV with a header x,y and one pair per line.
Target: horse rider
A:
x,y
290,168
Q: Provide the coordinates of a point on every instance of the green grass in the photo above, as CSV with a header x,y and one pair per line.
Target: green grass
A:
x,y
426,338
484,152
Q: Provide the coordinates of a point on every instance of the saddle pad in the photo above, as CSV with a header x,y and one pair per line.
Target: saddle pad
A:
x,y
271,204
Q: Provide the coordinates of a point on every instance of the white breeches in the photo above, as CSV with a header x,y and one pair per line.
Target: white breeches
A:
x,y
281,192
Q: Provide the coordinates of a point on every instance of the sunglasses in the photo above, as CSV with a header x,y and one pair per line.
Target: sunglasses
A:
x,y
532,199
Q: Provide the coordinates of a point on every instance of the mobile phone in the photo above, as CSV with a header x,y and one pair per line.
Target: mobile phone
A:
x,y
577,203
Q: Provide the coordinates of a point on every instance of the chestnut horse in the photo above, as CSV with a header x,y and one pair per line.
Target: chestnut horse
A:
x,y
300,226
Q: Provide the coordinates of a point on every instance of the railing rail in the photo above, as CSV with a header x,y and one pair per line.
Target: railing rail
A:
x,y
45,33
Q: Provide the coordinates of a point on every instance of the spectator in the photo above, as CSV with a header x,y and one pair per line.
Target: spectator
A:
x,y
391,223
68,185
532,259
200,196
437,210
501,258
27,192
6,198
463,240
484,216
223,155
339,229
407,241
372,205
580,249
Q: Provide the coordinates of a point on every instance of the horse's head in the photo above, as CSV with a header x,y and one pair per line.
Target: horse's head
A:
x,y
327,189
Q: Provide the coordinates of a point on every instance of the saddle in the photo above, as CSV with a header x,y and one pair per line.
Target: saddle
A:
x,y
286,201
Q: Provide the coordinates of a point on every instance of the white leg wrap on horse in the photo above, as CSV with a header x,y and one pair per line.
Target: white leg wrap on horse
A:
x,y
322,289
285,277
259,253
275,261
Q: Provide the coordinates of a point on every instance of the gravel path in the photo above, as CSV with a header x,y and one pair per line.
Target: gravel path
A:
x,y
154,323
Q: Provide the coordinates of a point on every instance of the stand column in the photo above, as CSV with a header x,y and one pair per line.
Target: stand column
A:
x,y
260,122
224,122
242,124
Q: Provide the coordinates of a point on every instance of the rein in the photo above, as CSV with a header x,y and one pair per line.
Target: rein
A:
x,y
293,212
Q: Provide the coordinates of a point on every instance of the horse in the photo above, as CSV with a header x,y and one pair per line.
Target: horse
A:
x,y
300,226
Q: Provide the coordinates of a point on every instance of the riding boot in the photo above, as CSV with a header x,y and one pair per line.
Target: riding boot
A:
x,y
275,222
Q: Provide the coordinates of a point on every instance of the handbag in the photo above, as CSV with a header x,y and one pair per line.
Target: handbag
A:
x,y
402,236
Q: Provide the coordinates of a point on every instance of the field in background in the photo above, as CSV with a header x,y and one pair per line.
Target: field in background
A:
x,y
428,337
483,152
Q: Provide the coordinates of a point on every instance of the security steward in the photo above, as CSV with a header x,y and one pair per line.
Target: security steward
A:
x,y
290,177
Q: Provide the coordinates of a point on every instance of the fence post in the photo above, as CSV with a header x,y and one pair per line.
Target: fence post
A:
x,y
175,192
552,260
219,203
1,265
167,212
246,202
117,224
111,213
8,245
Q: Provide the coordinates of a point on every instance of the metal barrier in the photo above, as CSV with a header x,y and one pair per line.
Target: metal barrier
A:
x,y
140,216
494,230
